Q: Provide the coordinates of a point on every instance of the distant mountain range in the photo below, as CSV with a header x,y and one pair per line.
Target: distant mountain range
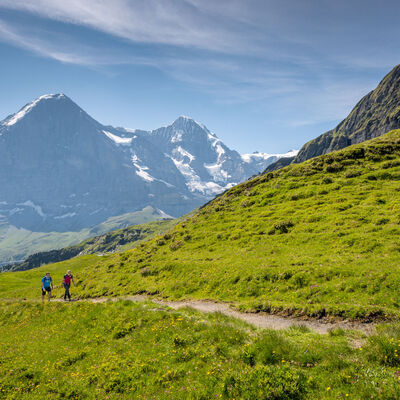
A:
x,y
62,171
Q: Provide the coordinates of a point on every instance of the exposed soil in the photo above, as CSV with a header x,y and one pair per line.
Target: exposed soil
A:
x,y
260,320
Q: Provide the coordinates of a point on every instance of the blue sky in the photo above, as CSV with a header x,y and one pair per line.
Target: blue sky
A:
x,y
263,75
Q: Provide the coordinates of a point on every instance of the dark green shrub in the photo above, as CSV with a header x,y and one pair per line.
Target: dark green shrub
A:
x,y
270,348
175,246
356,153
327,180
329,159
145,271
123,330
334,167
72,359
300,280
382,221
391,164
266,383
352,174
384,175
109,267
283,226
116,382
179,341
236,279
247,203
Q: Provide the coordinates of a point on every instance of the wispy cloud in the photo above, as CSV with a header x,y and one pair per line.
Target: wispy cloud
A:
x,y
237,51
170,22
67,49
45,48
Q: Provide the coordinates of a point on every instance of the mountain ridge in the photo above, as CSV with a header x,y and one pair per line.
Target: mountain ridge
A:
x,y
375,114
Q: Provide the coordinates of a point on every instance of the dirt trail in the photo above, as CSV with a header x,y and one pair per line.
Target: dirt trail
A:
x,y
260,320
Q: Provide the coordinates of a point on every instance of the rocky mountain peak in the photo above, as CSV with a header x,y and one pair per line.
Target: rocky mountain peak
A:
x,y
45,105
188,125
375,114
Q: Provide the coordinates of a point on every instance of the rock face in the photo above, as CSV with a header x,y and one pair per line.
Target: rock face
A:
x,y
207,165
375,114
281,163
61,170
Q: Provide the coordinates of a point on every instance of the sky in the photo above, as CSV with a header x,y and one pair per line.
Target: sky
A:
x,y
263,75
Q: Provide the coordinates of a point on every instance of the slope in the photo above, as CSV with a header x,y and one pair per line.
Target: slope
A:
x,y
318,238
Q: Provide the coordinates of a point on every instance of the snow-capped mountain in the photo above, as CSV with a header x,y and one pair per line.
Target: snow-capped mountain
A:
x,y
61,170
207,165
260,161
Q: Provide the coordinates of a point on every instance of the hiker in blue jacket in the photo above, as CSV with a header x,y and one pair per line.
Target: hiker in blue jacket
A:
x,y
47,285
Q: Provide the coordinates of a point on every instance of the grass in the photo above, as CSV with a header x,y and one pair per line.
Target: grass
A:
x,y
124,350
26,284
317,239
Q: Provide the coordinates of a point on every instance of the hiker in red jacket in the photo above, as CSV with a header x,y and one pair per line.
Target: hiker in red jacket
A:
x,y
67,284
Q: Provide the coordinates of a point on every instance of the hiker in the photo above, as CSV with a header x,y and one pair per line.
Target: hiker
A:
x,y
67,284
47,285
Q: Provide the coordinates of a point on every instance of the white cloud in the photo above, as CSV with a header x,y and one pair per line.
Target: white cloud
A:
x,y
267,28
238,51
65,48
152,21
42,47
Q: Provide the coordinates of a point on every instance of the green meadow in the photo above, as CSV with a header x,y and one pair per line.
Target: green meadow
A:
x,y
125,350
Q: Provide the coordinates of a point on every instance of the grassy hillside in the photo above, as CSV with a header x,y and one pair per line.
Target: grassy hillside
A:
x,y
119,240
17,243
128,351
318,238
